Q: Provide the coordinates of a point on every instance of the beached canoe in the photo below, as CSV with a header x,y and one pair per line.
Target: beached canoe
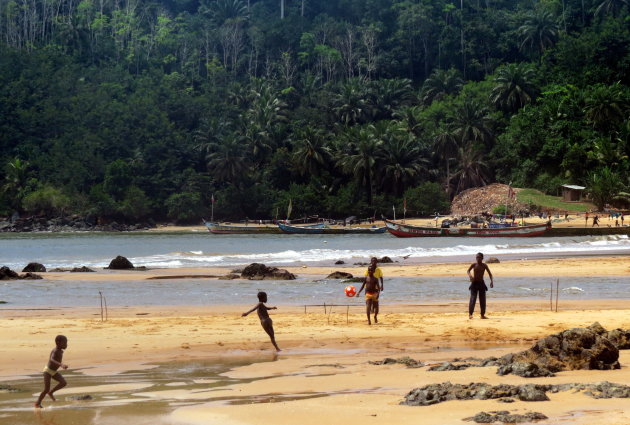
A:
x,y
325,230
230,229
407,231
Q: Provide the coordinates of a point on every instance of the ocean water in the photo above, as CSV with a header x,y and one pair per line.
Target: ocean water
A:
x,y
161,250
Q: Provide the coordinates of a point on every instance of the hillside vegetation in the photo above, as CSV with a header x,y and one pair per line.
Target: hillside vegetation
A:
x,y
130,109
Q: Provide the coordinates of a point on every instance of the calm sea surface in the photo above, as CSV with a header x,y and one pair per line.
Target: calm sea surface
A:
x,y
164,250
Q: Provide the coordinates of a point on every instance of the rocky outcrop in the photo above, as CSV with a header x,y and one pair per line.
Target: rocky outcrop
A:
x,y
572,349
120,263
8,274
257,271
339,275
407,361
73,223
437,393
492,260
505,417
34,268
82,269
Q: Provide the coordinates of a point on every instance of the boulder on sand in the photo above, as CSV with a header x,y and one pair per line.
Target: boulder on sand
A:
x,y
257,271
34,268
120,263
339,275
7,274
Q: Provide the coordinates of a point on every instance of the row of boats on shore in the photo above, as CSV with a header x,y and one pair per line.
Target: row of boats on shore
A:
x,y
395,228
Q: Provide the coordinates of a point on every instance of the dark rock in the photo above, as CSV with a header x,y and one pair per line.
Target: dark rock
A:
x,y
492,260
8,274
339,275
524,369
608,390
30,276
385,260
84,397
407,361
82,269
231,276
620,338
446,366
437,393
505,417
256,271
532,393
120,263
34,268
8,389
506,400
354,280
340,262
572,349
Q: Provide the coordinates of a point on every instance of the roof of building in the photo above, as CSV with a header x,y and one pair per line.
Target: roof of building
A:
x,y
572,186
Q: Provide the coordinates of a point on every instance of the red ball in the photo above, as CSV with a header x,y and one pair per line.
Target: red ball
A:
x,y
351,291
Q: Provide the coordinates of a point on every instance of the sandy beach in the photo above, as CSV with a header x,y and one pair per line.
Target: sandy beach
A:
x,y
322,375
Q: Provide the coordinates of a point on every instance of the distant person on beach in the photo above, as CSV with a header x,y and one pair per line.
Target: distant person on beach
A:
x,y
586,219
478,286
595,221
372,290
378,273
51,370
265,320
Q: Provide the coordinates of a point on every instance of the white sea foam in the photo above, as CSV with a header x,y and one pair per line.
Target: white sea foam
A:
x,y
597,245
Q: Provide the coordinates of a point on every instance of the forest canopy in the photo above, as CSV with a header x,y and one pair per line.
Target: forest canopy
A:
x,y
136,109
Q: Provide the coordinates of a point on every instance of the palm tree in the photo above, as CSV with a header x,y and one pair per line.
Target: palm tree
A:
x,y
262,119
221,11
472,123
400,160
446,146
539,31
612,7
227,162
472,171
440,84
311,154
15,181
350,104
606,106
514,87
389,95
360,157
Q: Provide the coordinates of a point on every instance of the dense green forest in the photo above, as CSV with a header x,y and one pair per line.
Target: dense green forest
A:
x,y
130,109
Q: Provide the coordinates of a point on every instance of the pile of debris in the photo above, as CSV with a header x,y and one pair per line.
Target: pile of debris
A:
x,y
479,200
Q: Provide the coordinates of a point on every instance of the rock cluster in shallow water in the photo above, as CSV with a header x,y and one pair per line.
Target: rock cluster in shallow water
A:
x,y
438,393
505,417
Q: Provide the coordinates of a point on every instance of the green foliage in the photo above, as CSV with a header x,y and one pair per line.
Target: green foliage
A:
x,y
46,200
342,106
185,207
427,199
603,185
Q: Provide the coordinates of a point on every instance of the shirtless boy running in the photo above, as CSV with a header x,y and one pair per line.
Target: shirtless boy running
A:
x,y
265,320
372,291
50,371
478,286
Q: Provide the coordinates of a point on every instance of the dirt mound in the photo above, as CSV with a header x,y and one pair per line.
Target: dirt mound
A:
x,y
484,199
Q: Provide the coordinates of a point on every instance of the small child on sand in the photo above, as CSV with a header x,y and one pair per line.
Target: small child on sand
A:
x,y
372,291
265,320
50,371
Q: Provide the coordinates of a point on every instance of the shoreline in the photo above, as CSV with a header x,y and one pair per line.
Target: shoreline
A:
x,y
568,265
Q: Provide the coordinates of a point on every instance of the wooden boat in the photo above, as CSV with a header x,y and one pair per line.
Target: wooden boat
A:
x,y
230,229
407,231
325,230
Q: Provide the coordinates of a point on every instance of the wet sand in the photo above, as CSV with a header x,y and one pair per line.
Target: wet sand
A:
x,y
321,376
